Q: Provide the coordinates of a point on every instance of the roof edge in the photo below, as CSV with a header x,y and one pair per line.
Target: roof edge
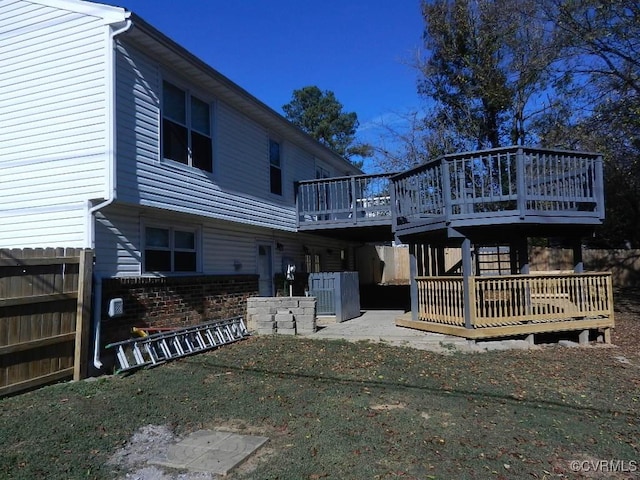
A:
x,y
147,28
109,13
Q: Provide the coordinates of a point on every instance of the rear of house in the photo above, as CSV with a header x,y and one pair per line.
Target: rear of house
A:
x,y
116,138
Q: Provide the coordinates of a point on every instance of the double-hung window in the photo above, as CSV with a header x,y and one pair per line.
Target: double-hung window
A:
x,y
170,250
275,167
186,128
312,262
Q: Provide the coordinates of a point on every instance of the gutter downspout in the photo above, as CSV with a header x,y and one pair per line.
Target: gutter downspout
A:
x,y
111,188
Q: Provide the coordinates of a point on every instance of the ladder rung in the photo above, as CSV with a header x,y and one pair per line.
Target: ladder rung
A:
x,y
157,348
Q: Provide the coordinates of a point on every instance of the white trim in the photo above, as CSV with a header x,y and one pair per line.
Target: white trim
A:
x,y
110,193
196,229
108,13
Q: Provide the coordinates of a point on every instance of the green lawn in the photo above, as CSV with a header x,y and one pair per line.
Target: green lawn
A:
x,y
340,410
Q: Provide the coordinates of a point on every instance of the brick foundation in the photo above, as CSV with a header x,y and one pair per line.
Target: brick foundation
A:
x,y
174,301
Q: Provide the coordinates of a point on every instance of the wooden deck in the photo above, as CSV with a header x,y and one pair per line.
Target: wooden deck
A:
x,y
514,304
344,202
514,185
505,186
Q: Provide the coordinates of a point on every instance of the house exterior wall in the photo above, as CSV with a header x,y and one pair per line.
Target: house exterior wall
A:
x,y
224,247
54,146
237,190
173,302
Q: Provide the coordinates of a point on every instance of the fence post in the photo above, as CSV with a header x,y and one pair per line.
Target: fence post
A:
x,y
83,314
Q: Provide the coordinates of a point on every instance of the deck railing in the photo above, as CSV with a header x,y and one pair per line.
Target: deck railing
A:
x,y
515,299
361,199
516,180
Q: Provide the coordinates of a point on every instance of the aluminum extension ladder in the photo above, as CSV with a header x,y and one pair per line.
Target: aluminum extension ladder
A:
x,y
158,348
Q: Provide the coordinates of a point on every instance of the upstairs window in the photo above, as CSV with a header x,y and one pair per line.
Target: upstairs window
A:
x,y
170,250
186,128
275,167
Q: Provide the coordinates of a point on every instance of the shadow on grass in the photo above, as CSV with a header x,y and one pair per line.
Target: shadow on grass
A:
x,y
538,404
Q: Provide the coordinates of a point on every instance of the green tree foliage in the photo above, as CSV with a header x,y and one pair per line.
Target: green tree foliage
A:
x,y
321,115
554,73
487,63
462,71
600,110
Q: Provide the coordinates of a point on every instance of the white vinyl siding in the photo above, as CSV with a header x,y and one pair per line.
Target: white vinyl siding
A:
x,y
238,189
59,226
53,122
119,243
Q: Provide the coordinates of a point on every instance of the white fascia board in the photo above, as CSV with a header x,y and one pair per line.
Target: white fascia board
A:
x,y
108,13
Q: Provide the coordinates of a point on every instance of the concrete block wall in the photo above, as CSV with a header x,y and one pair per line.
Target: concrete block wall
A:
x,y
281,315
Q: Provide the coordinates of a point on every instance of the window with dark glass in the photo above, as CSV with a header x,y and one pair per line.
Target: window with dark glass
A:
x,y
186,128
169,250
275,166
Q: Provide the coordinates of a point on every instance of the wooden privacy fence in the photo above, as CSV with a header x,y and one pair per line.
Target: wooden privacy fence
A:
x,y
337,293
45,308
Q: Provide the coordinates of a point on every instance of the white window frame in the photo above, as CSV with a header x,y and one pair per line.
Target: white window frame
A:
x,y
172,229
188,124
279,167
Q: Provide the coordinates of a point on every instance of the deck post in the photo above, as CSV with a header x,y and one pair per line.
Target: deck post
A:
x,y
521,184
523,256
599,187
467,282
446,190
413,273
354,201
578,264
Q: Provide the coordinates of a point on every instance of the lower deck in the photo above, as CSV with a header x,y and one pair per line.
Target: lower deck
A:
x,y
513,305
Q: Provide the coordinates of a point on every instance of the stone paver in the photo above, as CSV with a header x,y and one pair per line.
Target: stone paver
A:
x,y
210,451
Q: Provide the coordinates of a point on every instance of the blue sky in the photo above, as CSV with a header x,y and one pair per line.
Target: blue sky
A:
x,y
359,49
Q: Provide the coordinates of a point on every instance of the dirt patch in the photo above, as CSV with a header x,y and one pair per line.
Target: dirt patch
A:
x,y
153,441
148,442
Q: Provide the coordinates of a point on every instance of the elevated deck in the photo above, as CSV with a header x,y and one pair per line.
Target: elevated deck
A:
x,y
357,207
513,186
543,190
492,197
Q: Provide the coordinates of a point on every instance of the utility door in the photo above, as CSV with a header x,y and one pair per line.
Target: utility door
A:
x,y
265,270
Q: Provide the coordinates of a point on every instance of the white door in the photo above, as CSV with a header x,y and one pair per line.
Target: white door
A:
x,y
265,270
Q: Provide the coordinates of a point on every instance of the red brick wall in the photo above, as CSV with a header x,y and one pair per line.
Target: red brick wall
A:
x,y
173,301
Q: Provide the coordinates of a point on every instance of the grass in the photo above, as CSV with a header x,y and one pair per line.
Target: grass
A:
x,y
340,410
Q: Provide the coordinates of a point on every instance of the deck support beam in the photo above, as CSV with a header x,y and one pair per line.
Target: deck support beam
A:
x,y
466,279
583,337
578,264
523,256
